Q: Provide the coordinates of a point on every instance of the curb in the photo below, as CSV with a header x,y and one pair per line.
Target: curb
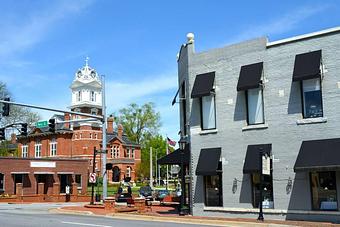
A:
x,y
177,220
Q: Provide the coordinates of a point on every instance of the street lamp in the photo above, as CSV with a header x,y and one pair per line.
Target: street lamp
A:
x,y
261,153
182,143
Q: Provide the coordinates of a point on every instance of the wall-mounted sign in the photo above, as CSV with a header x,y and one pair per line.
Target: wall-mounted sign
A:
x,y
266,165
43,164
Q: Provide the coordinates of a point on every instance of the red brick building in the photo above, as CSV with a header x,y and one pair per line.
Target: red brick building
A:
x,y
78,140
48,176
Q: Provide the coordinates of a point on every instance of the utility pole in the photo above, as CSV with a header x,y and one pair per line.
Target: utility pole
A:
x,y
151,177
104,140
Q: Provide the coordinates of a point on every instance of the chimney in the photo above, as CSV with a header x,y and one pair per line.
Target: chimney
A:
x,y
110,124
67,118
120,131
13,138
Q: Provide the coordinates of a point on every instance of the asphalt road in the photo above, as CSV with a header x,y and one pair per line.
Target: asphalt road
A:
x,y
36,215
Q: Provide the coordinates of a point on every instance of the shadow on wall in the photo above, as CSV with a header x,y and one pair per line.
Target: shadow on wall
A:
x,y
240,107
195,119
294,103
199,190
246,192
299,194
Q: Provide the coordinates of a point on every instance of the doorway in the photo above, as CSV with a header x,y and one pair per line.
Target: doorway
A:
x,y
65,179
115,174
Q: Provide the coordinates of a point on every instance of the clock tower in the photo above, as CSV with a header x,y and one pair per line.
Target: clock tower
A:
x,y
86,91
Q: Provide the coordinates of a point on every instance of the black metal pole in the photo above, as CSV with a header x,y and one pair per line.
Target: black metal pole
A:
x,y
93,170
181,212
260,218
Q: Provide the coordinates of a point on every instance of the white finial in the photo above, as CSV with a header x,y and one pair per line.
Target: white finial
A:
x,y
87,61
190,38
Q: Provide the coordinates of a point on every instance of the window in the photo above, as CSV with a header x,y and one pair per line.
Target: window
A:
x,y
208,116
80,135
323,188
53,147
95,136
312,98
24,150
128,153
133,153
78,180
213,190
2,182
267,191
254,99
93,96
37,149
115,152
90,135
128,172
78,96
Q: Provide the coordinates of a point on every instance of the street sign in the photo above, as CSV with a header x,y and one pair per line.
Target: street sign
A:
x,y
266,165
41,124
92,178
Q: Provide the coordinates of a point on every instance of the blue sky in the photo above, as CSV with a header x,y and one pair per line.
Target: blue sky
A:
x,y
133,43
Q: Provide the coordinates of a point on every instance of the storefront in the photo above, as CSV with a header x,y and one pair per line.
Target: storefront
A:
x,y
25,176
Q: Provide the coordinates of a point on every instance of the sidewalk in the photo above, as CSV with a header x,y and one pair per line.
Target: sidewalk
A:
x,y
169,214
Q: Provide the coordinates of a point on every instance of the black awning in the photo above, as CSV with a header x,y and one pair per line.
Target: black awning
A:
x,y
307,66
203,85
318,154
208,162
250,76
174,100
174,158
252,161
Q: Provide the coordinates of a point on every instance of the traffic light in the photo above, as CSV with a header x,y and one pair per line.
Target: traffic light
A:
x,y
108,166
5,108
23,130
51,125
2,133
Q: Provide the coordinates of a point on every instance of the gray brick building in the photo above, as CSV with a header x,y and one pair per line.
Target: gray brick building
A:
x,y
276,100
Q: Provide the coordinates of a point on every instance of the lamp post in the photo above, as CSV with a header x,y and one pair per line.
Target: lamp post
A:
x,y
260,218
182,142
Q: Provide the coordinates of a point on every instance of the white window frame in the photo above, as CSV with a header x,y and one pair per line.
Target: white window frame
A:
x,y
255,113
53,147
208,116
128,171
128,152
24,151
37,149
133,153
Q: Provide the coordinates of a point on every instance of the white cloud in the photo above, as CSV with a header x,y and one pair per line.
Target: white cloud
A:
x,y
120,94
19,35
284,23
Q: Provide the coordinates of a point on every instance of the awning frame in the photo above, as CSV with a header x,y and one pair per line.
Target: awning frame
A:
x,y
251,76
311,71
202,169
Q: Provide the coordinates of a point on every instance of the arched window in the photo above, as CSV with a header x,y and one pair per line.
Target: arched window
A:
x,y
78,96
92,96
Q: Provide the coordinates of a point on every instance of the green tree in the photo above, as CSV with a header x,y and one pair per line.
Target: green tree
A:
x,y
158,144
140,122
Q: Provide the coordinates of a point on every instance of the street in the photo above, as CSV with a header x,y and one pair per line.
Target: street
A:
x,y
15,215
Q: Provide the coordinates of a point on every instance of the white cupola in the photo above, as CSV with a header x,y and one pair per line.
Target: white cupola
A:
x,y
86,90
